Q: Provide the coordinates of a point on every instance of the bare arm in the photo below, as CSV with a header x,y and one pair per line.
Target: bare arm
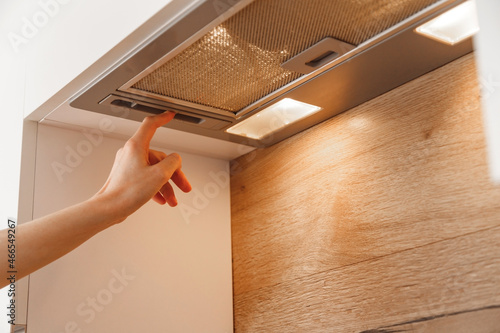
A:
x,y
138,175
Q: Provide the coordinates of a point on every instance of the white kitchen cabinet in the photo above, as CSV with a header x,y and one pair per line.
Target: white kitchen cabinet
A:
x,y
163,269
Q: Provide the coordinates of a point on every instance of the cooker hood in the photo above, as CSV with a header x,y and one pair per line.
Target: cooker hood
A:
x,y
225,61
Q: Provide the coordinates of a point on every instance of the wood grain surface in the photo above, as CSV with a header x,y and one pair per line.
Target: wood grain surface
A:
x,y
381,219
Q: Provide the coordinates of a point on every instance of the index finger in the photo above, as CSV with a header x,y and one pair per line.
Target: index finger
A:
x,y
149,125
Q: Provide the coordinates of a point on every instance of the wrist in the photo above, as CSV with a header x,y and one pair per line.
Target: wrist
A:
x,y
107,208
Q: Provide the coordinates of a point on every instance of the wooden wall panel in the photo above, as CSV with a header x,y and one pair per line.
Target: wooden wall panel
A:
x,y
380,216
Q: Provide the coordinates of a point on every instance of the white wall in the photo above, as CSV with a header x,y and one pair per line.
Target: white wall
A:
x,y
10,150
181,264
12,96
73,34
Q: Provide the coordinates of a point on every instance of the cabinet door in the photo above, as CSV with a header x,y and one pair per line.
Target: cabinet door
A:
x,y
162,270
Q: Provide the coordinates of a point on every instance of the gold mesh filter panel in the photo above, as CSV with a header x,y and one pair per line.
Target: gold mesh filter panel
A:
x,y
238,62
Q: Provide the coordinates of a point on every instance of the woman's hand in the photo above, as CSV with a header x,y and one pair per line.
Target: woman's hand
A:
x,y
140,173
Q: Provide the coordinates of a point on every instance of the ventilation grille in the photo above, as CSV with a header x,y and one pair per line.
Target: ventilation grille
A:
x,y
238,62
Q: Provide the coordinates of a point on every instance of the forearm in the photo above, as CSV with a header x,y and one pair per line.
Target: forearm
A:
x,y
46,239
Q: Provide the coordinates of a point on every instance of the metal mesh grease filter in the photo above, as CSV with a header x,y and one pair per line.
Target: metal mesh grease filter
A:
x,y
238,62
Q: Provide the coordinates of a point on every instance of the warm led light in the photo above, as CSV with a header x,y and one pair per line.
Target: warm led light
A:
x,y
454,26
273,118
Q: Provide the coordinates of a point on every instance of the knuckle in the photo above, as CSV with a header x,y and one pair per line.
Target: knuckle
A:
x,y
158,155
130,145
163,176
176,157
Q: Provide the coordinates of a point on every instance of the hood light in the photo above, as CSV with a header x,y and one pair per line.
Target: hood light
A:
x,y
453,26
273,118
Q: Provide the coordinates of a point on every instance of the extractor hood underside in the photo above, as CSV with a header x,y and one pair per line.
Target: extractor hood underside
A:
x,y
221,63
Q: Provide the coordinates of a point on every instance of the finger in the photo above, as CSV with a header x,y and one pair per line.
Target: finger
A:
x,y
159,198
168,194
178,176
169,165
180,179
155,156
171,168
149,125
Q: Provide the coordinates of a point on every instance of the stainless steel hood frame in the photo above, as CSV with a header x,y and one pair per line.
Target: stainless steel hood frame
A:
x,y
384,62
